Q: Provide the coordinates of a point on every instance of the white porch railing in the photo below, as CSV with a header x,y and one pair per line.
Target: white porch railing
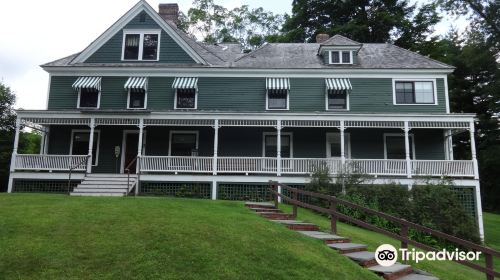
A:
x,y
246,165
176,164
50,162
377,166
309,165
451,168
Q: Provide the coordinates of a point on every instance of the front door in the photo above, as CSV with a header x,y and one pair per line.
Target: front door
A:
x,y
130,152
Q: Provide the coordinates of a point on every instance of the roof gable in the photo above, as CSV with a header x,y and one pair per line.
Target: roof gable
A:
x,y
130,20
339,40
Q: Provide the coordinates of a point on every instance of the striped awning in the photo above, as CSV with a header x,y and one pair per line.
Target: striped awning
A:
x,y
185,83
338,84
136,82
87,82
277,83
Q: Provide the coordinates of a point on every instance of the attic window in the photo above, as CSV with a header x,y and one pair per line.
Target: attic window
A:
x,y
340,57
141,45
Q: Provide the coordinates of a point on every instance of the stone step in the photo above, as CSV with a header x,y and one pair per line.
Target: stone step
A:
x,y
363,258
298,225
259,210
395,271
326,237
107,175
96,194
276,216
416,276
345,248
251,204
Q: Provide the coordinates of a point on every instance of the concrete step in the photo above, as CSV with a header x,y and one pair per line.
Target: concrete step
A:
x,y
345,248
107,175
90,190
276,216
326,237
96,194
416,276
259,210
363,258
251,204
395,271
96,186
102,182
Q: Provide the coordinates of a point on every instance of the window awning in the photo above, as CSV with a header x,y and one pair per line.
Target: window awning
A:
x,y
87,82
136,82
185,83
338,84
277,83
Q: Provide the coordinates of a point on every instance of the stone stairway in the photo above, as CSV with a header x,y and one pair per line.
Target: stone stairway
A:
x,y
356,252
104,185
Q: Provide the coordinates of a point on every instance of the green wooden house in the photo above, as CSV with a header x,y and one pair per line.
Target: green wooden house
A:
x,y
147,109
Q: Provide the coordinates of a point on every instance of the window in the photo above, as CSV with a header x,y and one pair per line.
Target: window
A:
x,y
88,98
337,99
414,92
185,98
340,57
333,148
183,143
136,98
141,45
277,99
271,141
395,146
80,144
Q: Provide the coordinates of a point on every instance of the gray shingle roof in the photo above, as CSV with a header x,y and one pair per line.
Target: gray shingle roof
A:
x,y
339,40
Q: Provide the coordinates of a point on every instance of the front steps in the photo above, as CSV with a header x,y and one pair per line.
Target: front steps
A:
x,y
104,185
356,252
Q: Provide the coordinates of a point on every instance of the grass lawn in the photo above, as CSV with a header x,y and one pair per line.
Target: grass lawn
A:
x,y
60,237
442,269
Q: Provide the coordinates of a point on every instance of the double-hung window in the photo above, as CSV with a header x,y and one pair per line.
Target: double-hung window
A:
x,y
141,45
89,92
277,91
186,92
337,100
137,97
414,92
337,93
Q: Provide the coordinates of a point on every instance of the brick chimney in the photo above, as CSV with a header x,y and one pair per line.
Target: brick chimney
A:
x,y
321,37
169,12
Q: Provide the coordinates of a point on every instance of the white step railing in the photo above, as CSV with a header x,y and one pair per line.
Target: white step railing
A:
x,y
445,168
50,162
246,165
377,166
309,165
176,164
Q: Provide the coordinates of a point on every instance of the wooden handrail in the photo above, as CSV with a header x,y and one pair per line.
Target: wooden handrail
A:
x,y
71,168
405,225
127,169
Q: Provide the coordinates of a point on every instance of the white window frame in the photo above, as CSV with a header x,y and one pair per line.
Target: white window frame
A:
x,y
434,89
287,101
412,143
347,102
145,100
141,33
73,131
98,101
195,101
124,145
172,132
347,144
340,57
264,134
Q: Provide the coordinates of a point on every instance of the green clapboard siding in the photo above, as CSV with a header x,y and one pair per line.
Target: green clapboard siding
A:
x,y
369,95
111,51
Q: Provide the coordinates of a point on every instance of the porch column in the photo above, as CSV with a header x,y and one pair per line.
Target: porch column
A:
x,y
91,145
216,146
46,140
407,150
278,147
448,144
473,150
342,143
14,154
42,142
139,145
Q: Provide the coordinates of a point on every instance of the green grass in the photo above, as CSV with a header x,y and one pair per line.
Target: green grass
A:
x,y
442,269
60,237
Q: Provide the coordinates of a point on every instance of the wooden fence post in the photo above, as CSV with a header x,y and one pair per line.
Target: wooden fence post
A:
x,y
333,216
489,265
403,232
276,195
294,205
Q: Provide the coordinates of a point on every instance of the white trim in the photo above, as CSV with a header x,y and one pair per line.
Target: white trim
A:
x,y
48,91
122,22
124,145
145,100
264,134
171,132
446,95
341,60
434,89
96,131
347,137
412,142
287,101
195,100
98,100
141,33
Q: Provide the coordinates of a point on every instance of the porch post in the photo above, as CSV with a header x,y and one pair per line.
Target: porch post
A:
x,y
14,154
91,145
42,142
278,147
342,143
139,145
46,140
407,150
473,150
216,146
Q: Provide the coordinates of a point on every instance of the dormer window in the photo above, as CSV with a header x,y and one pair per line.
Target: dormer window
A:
x,y
340,57
141,45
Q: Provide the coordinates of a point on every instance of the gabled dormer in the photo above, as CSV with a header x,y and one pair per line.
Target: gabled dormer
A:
x,y
337,50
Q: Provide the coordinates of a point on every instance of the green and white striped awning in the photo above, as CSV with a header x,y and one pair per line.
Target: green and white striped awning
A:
x,y
338,84
277,83
185,83
87,82
136,82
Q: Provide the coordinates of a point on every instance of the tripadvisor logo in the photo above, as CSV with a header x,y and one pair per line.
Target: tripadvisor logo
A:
x,y
387,255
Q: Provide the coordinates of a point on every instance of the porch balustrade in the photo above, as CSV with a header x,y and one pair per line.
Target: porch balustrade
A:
x,y
50,162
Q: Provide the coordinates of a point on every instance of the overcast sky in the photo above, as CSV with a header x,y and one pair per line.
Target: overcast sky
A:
x,y
34,32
